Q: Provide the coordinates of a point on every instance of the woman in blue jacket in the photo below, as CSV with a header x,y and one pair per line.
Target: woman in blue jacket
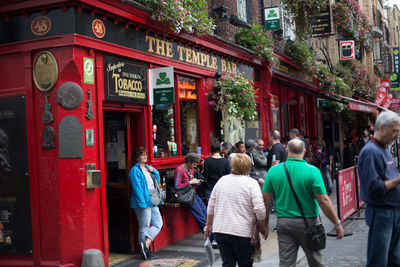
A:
x,y
147,214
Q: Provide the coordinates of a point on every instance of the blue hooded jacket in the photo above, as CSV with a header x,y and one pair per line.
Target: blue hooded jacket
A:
x,y
140,193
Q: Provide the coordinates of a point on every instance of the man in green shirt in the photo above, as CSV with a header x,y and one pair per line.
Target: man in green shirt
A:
x,y
309,186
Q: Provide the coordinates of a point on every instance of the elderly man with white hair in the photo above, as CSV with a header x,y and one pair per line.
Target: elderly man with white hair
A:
x,y
379,182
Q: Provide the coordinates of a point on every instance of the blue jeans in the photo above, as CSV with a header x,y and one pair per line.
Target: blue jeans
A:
x,y
328,178
146,217
235,249
383,236
199,212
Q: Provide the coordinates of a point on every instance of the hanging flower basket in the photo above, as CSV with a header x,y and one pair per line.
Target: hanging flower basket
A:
x,y
188,15
235,96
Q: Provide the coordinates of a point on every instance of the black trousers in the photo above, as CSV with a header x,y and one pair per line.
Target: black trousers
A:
x,y
234,249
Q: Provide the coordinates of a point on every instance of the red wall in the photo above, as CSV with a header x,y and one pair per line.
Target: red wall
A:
x,y
66,217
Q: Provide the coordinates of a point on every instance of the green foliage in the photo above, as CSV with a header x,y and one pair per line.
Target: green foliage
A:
x,y
303,12
351,20
301,54
359,80
189,15
256,40
235,96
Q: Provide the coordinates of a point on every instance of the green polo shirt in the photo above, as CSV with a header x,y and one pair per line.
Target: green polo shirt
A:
x,y
306,180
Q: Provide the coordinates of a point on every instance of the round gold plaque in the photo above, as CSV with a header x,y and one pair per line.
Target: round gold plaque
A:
x,y
45,71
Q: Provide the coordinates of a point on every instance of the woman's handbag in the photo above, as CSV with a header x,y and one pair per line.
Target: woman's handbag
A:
x,y
316,236
155,193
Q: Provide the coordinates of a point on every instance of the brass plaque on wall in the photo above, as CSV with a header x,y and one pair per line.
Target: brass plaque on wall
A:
x,y
45,71
70,137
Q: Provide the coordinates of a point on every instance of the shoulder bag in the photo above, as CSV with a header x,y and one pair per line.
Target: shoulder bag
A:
x,y
185,195
316,237
156,193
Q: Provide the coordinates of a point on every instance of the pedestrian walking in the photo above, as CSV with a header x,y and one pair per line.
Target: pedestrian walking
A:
x,y
260,160
214,168
249,146
310,190
236,205
277,153
380,189
327,164
149,218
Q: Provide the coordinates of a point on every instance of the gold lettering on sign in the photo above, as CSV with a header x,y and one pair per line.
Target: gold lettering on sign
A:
x,y
169,50
180,51
126,84
150,41
160,47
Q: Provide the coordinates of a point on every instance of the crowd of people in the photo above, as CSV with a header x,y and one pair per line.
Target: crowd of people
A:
x,y
238,185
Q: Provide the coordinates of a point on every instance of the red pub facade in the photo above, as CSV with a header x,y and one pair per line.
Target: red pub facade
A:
x,y
75,103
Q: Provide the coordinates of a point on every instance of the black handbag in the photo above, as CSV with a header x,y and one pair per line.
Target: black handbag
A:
x,y
316,237
183,196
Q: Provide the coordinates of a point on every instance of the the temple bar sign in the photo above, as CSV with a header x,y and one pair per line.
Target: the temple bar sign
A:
x,y
125,79
161,85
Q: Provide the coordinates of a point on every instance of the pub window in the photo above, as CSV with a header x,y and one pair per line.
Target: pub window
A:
x,y
163,131
188,106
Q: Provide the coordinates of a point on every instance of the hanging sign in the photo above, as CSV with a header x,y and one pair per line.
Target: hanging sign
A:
x,y
321,23
272,19
394,77
396,103
347,50
388,101
161,83
380,95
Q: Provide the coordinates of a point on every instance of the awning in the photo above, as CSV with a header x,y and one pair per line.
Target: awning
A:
x,y
354,104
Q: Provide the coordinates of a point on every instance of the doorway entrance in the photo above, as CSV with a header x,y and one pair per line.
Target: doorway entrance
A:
x,y
123,132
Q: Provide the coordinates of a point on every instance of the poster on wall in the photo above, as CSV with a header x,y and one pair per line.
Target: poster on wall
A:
x,y
125,79
6,227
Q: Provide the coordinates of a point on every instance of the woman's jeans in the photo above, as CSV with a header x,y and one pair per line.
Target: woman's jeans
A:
x,y
146,217
328,178
383,236
199,212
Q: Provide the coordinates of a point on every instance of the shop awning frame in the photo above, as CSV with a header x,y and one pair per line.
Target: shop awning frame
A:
x,y
354,104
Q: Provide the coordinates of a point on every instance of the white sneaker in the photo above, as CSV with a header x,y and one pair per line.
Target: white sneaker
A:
x,y
214,244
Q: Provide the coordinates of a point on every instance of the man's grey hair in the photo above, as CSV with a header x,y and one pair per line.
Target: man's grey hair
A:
x,y
295,146
295,132
227,146
276,135
386,118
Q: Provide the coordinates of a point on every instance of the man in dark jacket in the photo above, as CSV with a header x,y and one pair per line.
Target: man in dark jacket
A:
x,y
380,189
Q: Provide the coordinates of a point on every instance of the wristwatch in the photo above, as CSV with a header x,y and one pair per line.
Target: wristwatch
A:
x,y
338,224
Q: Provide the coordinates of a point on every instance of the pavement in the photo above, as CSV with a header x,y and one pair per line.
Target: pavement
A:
x,y
349,251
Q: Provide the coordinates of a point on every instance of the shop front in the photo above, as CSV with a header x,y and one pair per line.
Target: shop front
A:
x,y
293,99
83,85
